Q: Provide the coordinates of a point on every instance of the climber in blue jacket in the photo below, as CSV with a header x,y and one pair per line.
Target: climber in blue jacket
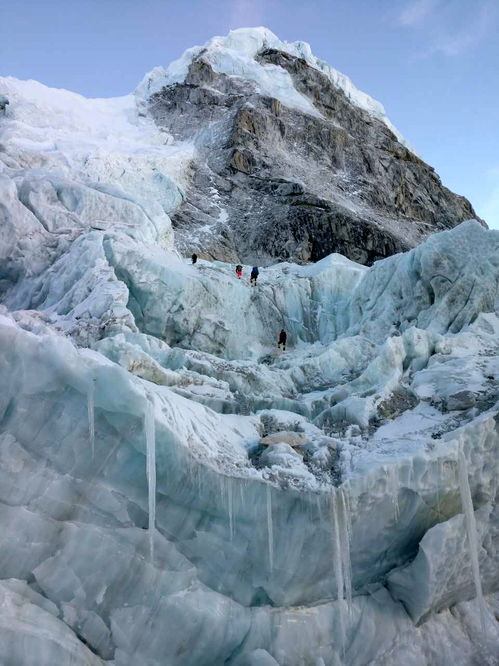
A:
x,y
254,275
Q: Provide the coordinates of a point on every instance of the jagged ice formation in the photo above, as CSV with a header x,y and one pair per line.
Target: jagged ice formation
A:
x,y
143,521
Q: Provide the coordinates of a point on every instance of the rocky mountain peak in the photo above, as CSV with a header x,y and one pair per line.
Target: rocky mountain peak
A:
x,y
292,161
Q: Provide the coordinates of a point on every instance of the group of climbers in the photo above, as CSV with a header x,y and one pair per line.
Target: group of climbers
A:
x,y
253,278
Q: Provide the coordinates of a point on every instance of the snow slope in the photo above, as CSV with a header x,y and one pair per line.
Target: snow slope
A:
x,y
143,522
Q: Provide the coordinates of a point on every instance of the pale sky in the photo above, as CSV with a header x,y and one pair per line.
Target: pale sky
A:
x,y
434,64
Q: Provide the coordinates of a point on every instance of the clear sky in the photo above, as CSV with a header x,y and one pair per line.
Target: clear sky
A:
x,y
434,64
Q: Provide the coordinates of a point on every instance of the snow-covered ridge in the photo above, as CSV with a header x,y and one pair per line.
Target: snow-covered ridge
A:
x,y
234,55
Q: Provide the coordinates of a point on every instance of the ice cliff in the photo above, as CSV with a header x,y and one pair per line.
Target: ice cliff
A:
x,y
175,491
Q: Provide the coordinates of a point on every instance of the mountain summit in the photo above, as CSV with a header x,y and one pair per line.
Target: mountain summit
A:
x,y
292,161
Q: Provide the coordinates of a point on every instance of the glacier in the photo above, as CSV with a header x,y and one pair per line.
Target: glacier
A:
x,y
174,490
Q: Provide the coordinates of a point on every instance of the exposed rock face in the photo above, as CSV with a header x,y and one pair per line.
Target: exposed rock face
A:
x,y
272,182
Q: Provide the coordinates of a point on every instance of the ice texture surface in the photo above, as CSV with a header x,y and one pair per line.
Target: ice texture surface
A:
x,y
155,507
242,538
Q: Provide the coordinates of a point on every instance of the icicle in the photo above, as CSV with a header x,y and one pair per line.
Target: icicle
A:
x,y
395,482
346,497
341,533
337,559
469,517
345,532
318,501
91,415
393,489
439,482
230,505
199,478
270,529
411,474
338,565
151,471
221,487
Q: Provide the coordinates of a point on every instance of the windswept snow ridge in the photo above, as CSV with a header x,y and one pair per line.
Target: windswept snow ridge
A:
x,y
175,490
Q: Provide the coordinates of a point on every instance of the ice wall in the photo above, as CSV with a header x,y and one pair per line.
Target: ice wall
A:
x,y
440,286
212,552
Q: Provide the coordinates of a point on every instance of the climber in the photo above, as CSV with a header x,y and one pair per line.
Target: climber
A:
x,y
194,258
3,103
254,275
282,340
239,271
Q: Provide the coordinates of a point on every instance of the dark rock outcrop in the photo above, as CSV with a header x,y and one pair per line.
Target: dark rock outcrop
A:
x,y
273,183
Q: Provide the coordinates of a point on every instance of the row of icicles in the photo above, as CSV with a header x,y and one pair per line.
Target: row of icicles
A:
x,y
339,508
